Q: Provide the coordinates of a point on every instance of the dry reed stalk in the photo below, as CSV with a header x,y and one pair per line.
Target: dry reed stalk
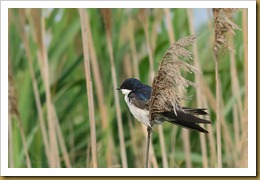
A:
x,y
147,152
39,35
244,121
173,145
149,44
212,141
133,48
244,143
245,42
107,17
61,139
223,23
158,17
127,63
234,77
83,21
218,114
226,134
209,96
144,19
212,102
33,16
163,148
237,112
186,146
34,82
100,93
199,95
152,157
13,111
170,29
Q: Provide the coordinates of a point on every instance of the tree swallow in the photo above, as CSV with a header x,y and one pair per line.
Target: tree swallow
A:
x,y
137,98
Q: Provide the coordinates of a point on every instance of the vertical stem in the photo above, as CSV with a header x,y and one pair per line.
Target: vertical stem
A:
x,y
61,139
163,149
35,86
149,131
245,43
100,93
199,95
51,122
133,49
149,49
38,24
186,145
83,15
218,114
170,29
151,151
237,112
244,121
107,19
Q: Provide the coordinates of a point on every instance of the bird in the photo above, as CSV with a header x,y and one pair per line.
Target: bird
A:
x,y
137,97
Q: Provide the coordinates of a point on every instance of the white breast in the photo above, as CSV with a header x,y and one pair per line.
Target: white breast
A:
x,y
140,114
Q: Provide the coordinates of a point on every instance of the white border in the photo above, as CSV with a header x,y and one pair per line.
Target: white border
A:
x,y
250,171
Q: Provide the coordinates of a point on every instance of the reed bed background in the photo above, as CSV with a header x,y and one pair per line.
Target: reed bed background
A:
x,y
64,66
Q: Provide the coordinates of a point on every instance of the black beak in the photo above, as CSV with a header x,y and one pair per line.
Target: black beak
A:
x,y
118,89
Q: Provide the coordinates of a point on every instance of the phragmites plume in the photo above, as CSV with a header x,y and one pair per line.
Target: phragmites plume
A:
x,y
168,81
223,23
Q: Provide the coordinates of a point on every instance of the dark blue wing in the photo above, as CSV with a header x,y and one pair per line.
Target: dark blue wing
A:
x,y
140,97
143,92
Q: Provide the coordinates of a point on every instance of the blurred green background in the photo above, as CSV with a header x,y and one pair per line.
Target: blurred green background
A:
x,y
63,42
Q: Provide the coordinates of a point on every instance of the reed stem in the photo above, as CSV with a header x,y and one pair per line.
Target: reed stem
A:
x,y
218,115
35,86
61,139
100,93
149,132
244,121
199,95
83,21
106,13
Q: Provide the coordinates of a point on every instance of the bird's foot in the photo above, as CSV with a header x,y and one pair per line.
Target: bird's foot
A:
x,y
149,129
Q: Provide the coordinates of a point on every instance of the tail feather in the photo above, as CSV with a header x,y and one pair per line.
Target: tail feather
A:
x,y
197,111
189,125
184,116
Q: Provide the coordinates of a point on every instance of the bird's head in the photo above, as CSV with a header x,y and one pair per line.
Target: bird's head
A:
x,y
129,85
